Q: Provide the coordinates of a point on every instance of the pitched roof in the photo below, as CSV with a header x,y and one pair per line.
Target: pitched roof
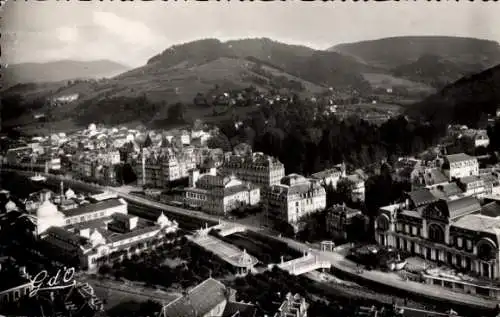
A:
x,y
421,197
88,208
463,206
478,223
460,157
446,190
434,176
235,309
491,210
199,301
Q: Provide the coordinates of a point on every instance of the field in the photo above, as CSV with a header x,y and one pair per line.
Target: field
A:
x,y
380,80
385,107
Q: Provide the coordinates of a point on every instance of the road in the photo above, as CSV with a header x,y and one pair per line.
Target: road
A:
x,y
337,260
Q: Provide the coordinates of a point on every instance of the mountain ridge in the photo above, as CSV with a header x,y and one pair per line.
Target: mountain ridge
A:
x,y
61,70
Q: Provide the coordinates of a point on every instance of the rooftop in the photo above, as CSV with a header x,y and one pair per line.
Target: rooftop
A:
x,y
446,190
460,157
89,208
478,223
491,209
236,309
462,206
434,176
470,179
421,197
199,301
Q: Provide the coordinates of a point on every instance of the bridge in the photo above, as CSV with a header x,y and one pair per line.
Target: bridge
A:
x,y
239,259
227,228
307,263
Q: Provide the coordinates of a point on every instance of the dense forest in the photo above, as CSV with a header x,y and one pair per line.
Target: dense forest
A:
x,y
307,140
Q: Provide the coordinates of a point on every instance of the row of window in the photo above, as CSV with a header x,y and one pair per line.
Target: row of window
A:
x,y
436,235
94,215
460,164
408,229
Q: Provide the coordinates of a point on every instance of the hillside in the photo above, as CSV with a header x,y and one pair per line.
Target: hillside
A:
x,y
395,51
433,71
59,71
466,101
432,60
165,86
319,67
182,71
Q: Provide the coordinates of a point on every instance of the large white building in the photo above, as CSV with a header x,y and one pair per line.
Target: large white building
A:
x,y
257,168
460,165
85,233
294,198
157,169
331,176
218,194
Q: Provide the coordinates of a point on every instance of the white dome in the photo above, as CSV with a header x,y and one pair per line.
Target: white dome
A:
x,y
92,127
163,221
70,194
48,216
10,206
47,210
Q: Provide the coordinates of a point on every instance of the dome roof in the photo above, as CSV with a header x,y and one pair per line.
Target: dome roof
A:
x,y
69,193
163,221
47,210
10,206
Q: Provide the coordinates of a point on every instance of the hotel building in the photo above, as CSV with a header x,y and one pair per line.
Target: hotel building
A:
x,y
460,234
330,176
157,169
460,165
257,168
217,194
294,198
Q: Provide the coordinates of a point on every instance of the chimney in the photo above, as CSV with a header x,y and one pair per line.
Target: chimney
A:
x,y
62,191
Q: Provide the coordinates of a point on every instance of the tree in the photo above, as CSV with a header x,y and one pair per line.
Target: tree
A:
x,y
175,113
221,141
148,142
330,195
345,187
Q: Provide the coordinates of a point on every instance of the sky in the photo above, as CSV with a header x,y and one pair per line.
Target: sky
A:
x,y
132,32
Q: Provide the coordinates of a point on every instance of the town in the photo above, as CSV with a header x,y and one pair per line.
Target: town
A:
x,y
263,159
116,201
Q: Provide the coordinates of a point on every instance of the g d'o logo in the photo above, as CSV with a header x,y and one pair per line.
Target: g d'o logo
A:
x,y
63,279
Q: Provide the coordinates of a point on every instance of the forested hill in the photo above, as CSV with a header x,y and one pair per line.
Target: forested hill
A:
x,y
319,67
466,101
395,51
432,60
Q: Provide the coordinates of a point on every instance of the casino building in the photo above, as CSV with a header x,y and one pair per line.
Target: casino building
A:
x,y
460,237
96,229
